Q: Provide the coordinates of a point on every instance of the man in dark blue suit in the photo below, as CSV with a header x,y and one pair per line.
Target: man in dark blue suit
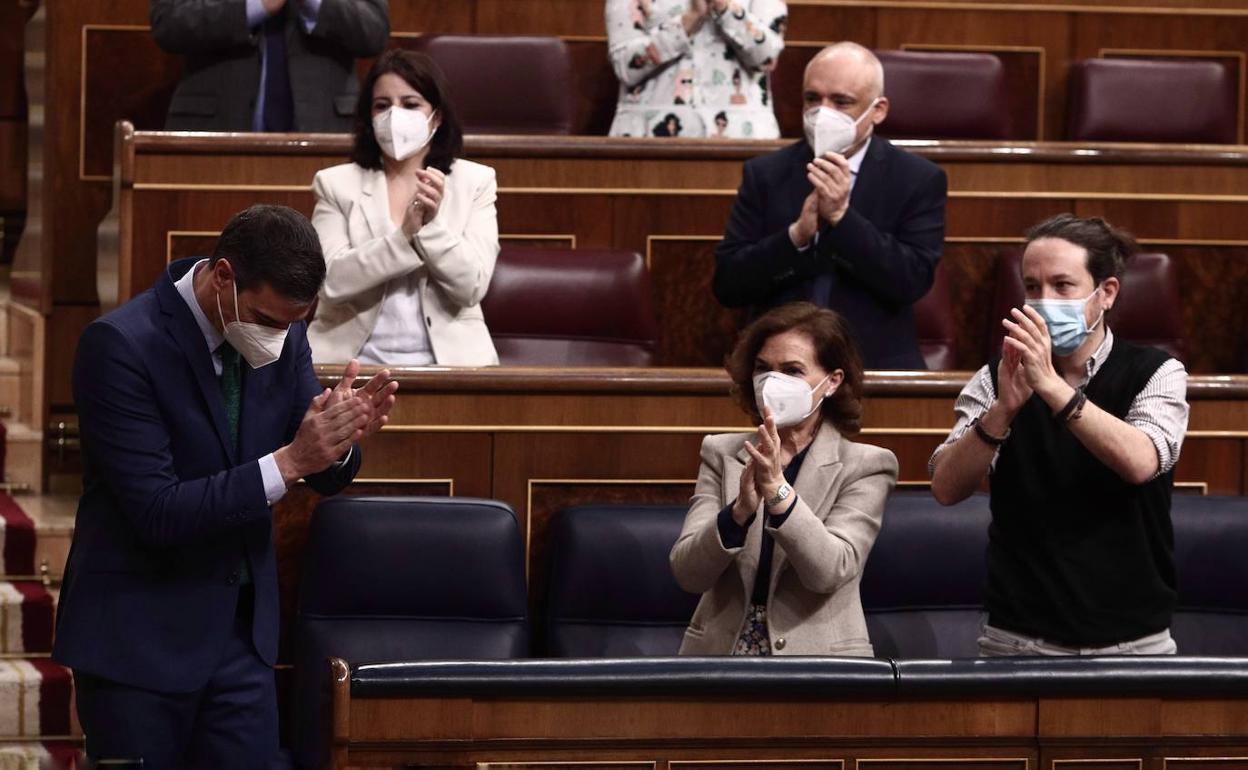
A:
x,y
198,408
858,229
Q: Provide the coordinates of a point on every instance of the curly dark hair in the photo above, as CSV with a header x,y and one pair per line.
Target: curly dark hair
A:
x,y
834,348
421,73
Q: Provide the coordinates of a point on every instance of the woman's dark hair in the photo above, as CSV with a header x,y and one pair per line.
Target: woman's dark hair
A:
x,y
421,73
834,348
273,245
1108,247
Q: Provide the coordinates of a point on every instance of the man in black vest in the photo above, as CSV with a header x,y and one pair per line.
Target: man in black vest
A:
x,y
1079,434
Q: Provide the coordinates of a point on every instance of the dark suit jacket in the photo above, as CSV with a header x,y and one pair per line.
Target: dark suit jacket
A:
x,y
222,70
169,508
871,268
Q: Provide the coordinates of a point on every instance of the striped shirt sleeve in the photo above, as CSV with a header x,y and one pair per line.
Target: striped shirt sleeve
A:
x,y
1160,410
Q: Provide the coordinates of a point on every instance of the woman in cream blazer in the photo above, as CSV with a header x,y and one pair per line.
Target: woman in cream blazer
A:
x,y
410,242
782,519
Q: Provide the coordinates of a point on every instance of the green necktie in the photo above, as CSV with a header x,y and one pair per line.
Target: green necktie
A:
x,y
232,393
231,387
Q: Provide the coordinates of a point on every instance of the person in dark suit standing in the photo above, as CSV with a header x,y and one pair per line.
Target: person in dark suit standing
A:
x,y
268,65
198,408
843,219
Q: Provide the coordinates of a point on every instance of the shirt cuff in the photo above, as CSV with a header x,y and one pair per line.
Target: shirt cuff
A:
x,y
793,240
309,11
256,13
731,534
274,485
774,520
345,458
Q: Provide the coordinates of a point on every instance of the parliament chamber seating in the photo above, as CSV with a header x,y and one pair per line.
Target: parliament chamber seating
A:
x,y
923,585
612,594
503,84
936,324
1148,311
942,95
571,307
403,578
1152,100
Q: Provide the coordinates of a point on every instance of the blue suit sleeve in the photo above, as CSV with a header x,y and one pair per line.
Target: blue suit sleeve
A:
x,y
751,264
898,267
126,438
333,479
361,27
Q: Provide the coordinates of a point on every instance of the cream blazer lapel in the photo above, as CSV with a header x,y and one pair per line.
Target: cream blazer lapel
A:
x,y
814,483
375,200
747,559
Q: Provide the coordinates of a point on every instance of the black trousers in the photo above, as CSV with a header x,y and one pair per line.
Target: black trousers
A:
x,y
230,723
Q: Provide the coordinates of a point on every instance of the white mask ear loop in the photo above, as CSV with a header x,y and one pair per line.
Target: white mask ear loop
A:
x,y
1101,317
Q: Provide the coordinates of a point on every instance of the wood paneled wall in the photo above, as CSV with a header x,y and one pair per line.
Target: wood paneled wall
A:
x,y
669,200
101,65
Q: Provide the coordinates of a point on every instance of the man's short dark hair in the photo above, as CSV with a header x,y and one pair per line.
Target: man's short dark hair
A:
x,y
273,245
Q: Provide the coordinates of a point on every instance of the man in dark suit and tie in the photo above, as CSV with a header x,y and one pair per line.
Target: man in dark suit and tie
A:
x,y
858,229
268,65
198,408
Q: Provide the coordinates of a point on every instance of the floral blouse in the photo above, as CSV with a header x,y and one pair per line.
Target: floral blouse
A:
x,y
714,83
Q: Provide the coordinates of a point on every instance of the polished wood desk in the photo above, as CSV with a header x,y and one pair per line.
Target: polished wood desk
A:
x,y
618,714
669,200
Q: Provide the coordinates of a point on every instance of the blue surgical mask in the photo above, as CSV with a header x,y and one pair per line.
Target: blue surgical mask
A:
x,y
1067,321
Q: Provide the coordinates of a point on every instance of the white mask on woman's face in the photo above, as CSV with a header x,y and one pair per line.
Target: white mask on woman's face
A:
x,y
789,398
402,132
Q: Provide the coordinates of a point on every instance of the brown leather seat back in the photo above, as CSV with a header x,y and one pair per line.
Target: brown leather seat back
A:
x,y
1148,310
564,307
506,85
1152,100
936,95
934,321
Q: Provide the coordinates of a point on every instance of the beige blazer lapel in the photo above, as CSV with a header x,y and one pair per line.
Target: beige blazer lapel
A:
x,y
814,483
375,199
747,560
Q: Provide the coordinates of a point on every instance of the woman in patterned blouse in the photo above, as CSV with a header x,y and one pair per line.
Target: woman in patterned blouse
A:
x,y
699,65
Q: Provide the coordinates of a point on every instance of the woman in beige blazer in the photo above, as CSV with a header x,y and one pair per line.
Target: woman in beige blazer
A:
x,y
409,230
782,519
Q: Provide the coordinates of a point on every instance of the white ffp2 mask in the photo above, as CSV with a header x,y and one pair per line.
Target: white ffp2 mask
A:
x,y
258,345
828,130
401,132
789,398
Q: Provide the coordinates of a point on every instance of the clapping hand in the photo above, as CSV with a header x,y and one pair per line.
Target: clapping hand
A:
x,y
1028,336
1012,388
377,395
426,201
832,179
767,457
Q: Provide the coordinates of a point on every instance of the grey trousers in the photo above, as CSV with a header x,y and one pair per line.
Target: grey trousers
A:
x,y
998,643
